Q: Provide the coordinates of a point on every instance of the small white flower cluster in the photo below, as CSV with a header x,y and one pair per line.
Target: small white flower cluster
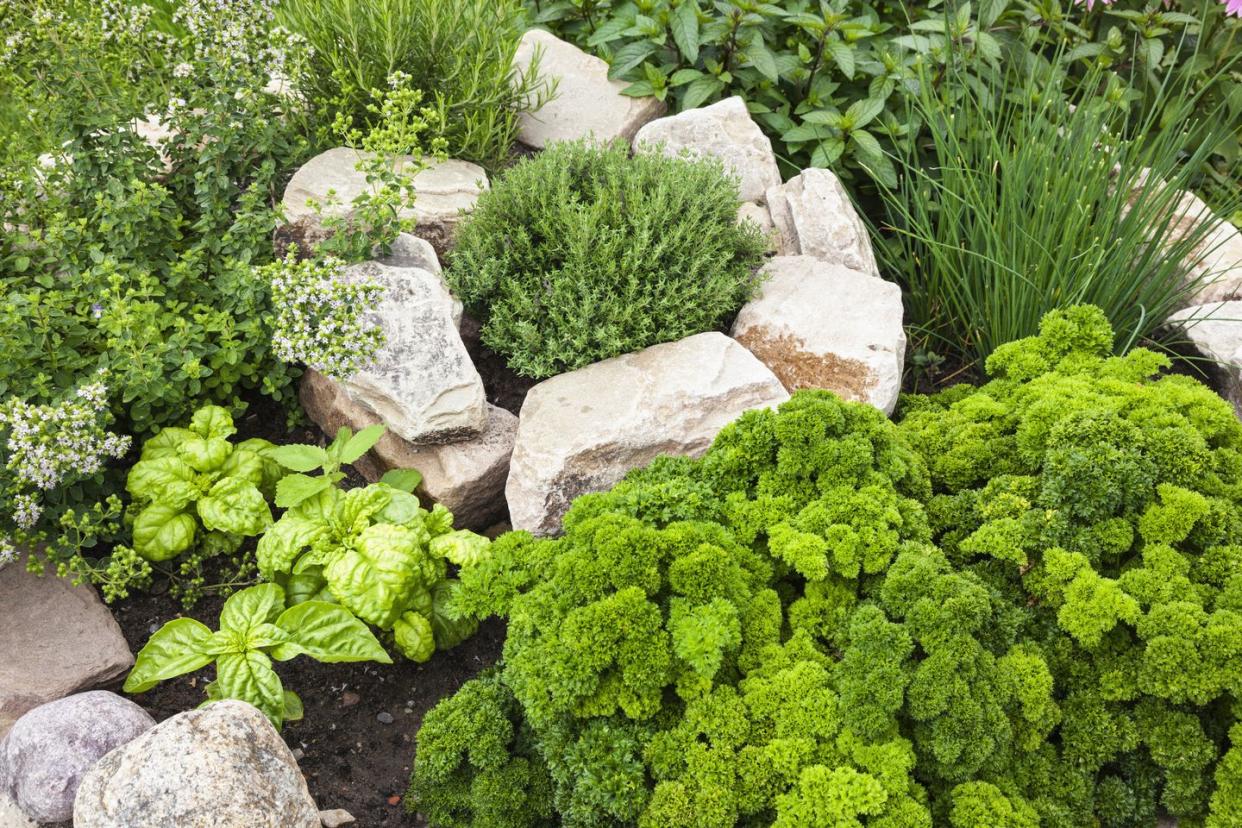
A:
x,y
49,444
321,317
8,552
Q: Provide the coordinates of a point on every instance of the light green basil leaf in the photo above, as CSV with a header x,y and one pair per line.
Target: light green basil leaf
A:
x,y
168,480
249,677
461,547
244,465
162,532
173,650
235,506
265,636
298,457
212,421
328,633
284,541
305,586
250,607
296,488
225,641
406,480
293,707
403,509
361,443
375,577
205,454
414,636
272,471
165,443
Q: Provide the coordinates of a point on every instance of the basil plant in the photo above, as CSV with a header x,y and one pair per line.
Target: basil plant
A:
x,y
255,629
378,553
192,486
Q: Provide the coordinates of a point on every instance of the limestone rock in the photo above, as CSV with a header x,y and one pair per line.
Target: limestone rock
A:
x,y
1217,260
582,431
443,192
55,639
336,818
724,130
586,102
50,749
220,766
821,325
411,251
423,384
1215,330
468,477
814,216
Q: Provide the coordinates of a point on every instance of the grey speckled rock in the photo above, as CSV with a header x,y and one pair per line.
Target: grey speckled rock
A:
x,y
12,816
468,477
423,384
221,766
582,431
815,217
55,639
821,325
411,251
46,754
586,103
444,191
1215,330
724,130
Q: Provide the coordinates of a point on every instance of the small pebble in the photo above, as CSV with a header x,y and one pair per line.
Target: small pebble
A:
x,y
384,717
298,753
394,800
336,818
349,698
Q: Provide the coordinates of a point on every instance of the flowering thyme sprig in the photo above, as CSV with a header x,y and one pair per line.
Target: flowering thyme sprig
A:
x,y
321,316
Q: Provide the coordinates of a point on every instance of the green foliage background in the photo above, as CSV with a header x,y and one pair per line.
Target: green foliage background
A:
x,y
1019,606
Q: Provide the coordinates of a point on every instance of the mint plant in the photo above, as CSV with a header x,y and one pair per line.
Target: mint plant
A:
x,y
255,629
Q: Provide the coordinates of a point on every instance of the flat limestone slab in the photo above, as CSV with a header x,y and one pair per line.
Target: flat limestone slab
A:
x,y
821,325
55,639
582,431
587,103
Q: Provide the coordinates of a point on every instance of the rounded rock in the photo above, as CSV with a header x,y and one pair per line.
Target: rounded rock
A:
x,y
48,751
220,766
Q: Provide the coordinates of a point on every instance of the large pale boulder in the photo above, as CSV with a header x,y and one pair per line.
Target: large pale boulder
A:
x,y
444,191
50,749
220,766
1215,331
55,639
582,431
412,251
1215,263
422,383
814,216
585,104
468,477
821,325
726,131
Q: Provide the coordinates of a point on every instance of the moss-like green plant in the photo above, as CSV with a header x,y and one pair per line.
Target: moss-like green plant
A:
x,y
1020,606
583,253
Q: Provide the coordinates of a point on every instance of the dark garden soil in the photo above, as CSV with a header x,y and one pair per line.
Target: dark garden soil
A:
x,y
355,743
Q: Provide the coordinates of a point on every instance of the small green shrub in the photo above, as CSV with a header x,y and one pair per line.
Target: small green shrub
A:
x,y
1020,606
583,253
458,53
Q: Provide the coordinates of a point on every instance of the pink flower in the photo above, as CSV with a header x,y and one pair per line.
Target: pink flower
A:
x,y
1091,3
1233,7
